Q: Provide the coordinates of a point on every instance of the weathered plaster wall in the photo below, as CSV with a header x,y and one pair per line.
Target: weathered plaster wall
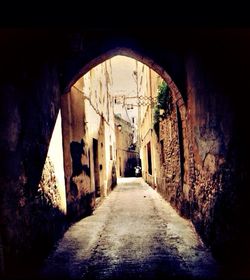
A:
x,y
100,125
80,194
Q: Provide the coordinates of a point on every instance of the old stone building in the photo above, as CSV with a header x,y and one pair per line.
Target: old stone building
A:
x,y
162,165
89,131
126,154
148,82
100,126
162,147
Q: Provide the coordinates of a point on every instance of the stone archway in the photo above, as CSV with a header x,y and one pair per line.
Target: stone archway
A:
x,y
181,196
39,66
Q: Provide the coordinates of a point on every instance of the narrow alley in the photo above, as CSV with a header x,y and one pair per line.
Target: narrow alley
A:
x,y
134,233
124,153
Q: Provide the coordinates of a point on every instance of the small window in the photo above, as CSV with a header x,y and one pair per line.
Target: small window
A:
x,y
149,158
162,151
133,120
110,150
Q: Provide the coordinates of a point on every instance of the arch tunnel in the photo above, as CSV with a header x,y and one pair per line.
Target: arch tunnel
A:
x,y
207,72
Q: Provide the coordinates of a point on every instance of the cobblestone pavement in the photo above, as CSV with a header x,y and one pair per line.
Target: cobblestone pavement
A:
x,y
133,234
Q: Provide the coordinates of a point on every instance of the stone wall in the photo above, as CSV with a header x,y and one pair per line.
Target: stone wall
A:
x,y
206,182
211,187
216,202
29,224
173,163
169,183
48,189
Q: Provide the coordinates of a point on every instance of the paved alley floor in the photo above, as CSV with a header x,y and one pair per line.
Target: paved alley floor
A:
x,y
133,234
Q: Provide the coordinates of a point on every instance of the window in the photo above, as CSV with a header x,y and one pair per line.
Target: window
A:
x,y
110,150
149,158
162,151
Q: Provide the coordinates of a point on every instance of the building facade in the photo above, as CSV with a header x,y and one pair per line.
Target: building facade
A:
x,y
100,128
161,147
148,82
89,139
126,154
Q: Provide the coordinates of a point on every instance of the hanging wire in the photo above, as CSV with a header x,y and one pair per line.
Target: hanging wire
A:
x,y
141,100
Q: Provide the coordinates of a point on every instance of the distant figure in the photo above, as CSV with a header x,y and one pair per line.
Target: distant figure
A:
x,y
137,171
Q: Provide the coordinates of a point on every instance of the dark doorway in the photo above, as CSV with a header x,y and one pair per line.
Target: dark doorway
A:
x,y
96,168
120,166
149,159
